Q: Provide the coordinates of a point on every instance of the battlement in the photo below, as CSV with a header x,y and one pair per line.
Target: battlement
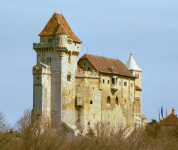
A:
x,y
87,74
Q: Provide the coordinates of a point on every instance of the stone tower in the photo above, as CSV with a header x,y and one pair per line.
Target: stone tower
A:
x,y
137,72
54,75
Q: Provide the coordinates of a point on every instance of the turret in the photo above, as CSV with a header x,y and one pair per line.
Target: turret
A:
x,y
135,70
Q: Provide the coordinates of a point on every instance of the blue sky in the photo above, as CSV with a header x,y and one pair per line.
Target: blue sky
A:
x,y
148,29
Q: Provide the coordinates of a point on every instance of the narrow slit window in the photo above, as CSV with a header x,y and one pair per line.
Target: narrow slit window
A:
x,y
103,80
69,77
113,81
91,102
88,68
116,101
108,81
108,100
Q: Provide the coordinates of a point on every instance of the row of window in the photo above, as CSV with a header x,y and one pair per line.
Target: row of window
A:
x,y
113,82
108,100
50,40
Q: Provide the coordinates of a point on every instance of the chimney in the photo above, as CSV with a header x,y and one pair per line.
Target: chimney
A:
x,y
173,111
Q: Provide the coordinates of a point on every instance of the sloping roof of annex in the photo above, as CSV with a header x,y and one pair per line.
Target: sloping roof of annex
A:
x,y
58,25
169,120
107,65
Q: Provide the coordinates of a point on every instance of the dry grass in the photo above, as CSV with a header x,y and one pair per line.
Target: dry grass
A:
x,y
41,136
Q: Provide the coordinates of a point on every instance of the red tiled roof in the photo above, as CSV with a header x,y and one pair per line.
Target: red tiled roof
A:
x,y
137,88
58,25
169,120
107,65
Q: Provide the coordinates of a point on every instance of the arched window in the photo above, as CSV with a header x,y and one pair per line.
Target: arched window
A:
x,y
69,76
108,100
116,101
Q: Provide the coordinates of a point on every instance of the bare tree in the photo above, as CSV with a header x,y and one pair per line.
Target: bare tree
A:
x,y
2,122
24,121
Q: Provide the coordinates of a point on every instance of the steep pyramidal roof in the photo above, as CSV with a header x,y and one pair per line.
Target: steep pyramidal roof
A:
x,y
58,25
107,65
131,64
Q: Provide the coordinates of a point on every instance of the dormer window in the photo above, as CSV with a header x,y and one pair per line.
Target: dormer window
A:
x,y
49,40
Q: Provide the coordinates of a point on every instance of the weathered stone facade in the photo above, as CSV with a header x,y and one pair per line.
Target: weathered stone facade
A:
x,y
81,93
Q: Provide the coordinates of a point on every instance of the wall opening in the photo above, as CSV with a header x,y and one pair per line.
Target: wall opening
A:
x,y
108,100
69,76
49,40
108,81
125,102
88,68
125,83
69,60
91,102
113,81
116,101
48,59
131,85
103,80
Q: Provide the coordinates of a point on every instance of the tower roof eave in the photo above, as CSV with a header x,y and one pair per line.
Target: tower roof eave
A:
x,y
132,65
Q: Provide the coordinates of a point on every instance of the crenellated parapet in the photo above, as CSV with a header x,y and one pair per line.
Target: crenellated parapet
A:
x,y
87,74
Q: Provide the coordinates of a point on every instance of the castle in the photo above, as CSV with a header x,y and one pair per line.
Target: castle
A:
x,y
80,93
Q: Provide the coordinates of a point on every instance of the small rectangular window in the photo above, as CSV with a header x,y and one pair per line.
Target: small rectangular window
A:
x,y
103,80
48,59
49,40
108,81
38,78
137,75
91,102
88,68
113,80
131,85
125,83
